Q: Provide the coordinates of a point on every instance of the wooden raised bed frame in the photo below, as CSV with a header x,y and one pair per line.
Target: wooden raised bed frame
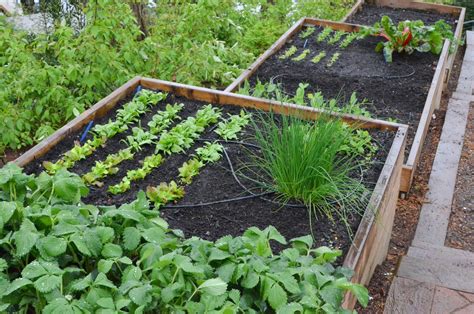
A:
x,y
438,84
372,238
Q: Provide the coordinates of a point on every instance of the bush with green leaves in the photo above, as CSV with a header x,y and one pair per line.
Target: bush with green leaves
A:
x,y
47,79
59,255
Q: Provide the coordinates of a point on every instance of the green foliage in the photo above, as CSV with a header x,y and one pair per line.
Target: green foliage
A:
x,y
59,255
349,39
229,129
318,57
48,79
307,32
336,37
288,53
126,115
211,152
301,56
164,193
410,36
301,160
334,59
189,170
324,34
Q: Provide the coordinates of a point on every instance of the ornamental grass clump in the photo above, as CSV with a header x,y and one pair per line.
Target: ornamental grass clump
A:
x,y
304,161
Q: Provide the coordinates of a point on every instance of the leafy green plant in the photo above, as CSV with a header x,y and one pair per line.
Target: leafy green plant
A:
x,y
164,193
316,59
229,129
301,56
101,169
334,59
349,39
336,37
288,53
307,32
324,34
211,152
60,255
301,160
410,36
360,143
189,170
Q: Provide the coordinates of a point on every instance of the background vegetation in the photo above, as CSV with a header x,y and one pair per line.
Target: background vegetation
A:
x,y
48,79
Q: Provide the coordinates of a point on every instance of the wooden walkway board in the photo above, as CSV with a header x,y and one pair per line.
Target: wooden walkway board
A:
x,y
439,271
409,296
434,217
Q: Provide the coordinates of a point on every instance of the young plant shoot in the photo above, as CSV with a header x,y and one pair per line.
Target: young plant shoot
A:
x,y
307,32
334,59
289,52
336,37
302,56
324,34
316,59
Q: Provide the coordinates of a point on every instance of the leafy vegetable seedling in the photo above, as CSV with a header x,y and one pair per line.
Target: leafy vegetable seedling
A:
x,y
302,56
289,52
319,57
333,60
229,129
336,37
349,39
307,32
324,34
164,193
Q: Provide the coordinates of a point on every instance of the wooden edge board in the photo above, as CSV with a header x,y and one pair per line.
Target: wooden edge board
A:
x,y
374,231
227,98
406,180
98,110
357,6
432,101
419,5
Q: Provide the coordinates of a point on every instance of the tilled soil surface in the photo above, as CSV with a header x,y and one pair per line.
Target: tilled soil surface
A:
x,y
408,210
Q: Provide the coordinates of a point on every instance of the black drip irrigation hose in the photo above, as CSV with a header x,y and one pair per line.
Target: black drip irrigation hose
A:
x,y
241,198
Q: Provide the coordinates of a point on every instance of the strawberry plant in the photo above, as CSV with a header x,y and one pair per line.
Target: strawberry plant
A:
x,y
316,59
324,34
229,129
410,36
301,56
59,255
288,53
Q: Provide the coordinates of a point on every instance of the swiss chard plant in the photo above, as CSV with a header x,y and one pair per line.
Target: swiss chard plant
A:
x,y
410,36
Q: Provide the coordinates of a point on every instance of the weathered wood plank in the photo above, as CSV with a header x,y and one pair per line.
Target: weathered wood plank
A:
x,y
418,5
227,98
409,296
357,6
442,272
434,217
407,178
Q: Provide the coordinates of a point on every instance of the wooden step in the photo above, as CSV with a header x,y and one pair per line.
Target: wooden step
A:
x,y
457,273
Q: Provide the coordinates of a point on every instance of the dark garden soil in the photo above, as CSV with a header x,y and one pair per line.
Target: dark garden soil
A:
x,y
408,210
369,14
395,90
216,182
461,224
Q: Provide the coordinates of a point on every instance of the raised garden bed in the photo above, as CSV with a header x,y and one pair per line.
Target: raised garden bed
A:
x,y
215,181
407,90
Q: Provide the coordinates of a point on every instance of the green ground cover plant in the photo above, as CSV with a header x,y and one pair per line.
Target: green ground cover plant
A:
x,y
59,255
48,79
